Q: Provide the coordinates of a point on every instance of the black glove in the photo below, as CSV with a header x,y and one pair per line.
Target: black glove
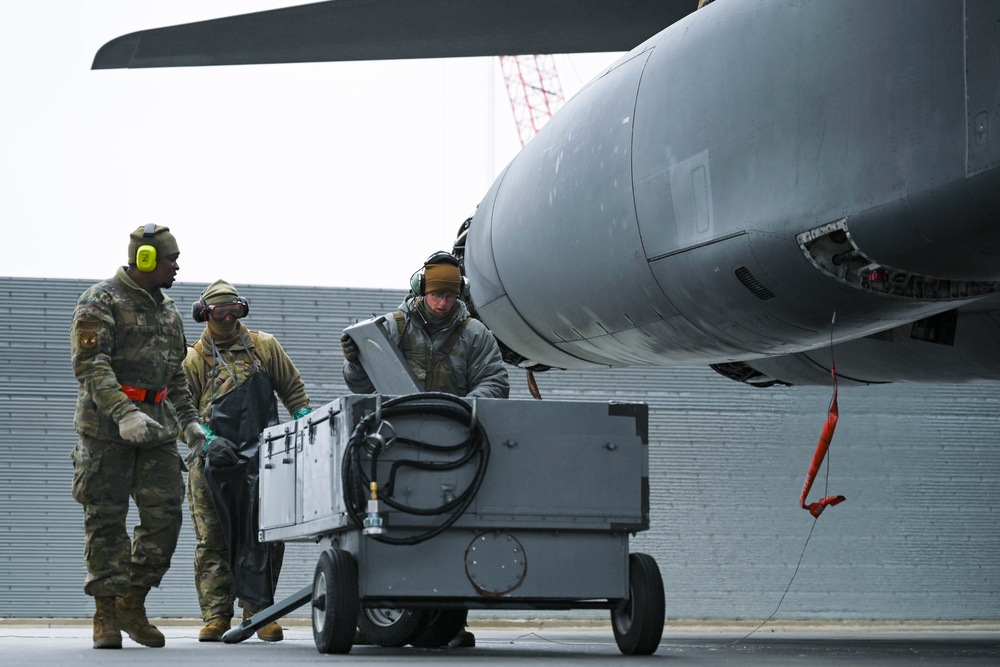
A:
x,y
222,452
350,348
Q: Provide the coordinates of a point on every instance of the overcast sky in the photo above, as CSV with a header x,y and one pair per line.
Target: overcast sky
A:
x,y
333,174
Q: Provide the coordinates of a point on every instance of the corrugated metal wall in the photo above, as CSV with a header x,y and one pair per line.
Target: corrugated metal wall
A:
x,y
918,538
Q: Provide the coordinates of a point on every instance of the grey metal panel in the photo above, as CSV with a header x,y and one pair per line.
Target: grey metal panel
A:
x,y
502,309
552,179
916,539
598,448
983,71
382,358
301,472
278,451
558,565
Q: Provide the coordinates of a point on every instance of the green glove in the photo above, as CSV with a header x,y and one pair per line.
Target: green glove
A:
x,y
209,437
301,412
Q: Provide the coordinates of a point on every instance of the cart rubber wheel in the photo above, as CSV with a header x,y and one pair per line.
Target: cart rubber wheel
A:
x,y
335,601
391,628
440,628
638,621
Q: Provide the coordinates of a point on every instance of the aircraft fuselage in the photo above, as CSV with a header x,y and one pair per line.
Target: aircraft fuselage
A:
x,y
744,178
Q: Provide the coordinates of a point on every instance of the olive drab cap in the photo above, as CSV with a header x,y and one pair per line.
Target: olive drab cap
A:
x,y
444,278
161,239
220,292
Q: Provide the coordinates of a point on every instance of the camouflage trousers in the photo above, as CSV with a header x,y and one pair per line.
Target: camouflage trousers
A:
x,y
212,577
105,475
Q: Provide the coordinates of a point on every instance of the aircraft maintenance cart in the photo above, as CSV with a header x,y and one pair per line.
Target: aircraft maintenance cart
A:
x,y
429,505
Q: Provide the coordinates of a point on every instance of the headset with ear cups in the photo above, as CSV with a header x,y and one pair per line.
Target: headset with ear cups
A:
x,y
199,309
418,282
145,255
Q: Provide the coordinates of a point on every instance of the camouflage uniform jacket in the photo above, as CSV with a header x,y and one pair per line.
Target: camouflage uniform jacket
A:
x,y
123,335
209,381
473,366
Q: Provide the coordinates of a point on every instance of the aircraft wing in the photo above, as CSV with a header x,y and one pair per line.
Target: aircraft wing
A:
x,y
397,29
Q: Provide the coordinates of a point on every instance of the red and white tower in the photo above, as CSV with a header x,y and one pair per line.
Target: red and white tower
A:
x,y
534,91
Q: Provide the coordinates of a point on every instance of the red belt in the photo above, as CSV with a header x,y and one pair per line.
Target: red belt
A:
x,y
145,395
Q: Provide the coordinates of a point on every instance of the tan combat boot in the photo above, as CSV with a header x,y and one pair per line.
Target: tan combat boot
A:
x,y
214,629
132,618
271,632
106,632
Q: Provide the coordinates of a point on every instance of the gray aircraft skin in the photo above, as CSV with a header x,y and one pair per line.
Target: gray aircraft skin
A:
x,y
765,186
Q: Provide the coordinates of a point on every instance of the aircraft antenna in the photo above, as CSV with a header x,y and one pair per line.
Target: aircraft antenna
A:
x,y
534,91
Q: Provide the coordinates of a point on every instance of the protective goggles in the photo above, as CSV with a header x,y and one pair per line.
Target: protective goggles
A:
x,y
220,311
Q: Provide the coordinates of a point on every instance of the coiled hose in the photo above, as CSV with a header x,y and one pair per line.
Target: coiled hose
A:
x,y
356,481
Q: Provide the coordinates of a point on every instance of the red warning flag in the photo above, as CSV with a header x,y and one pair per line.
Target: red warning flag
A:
x,y
822,447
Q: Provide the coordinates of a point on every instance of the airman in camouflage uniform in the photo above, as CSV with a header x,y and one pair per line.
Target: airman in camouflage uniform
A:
x,y
446,348
227,359
127,348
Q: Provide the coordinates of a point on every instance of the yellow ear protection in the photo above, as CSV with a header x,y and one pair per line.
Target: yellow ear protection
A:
x,y
145,256
418,283
199,309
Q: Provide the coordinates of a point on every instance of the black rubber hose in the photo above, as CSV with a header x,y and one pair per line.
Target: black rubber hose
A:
x,y
356,484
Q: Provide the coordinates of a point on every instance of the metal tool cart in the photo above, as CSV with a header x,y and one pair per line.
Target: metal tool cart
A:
x,y
428,505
